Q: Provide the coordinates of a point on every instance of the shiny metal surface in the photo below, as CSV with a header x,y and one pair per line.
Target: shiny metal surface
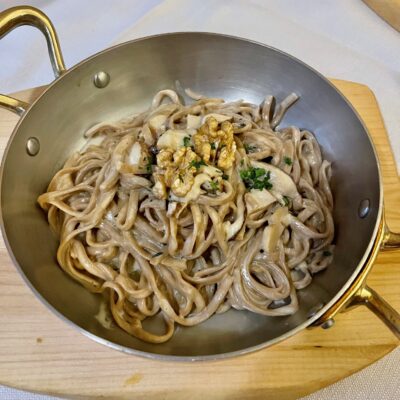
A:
x,y
101,79
391,240
368,297
215,65
26,15
32,146
364,208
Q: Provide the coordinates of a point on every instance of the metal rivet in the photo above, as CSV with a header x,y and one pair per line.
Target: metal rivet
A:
x,y
328,323
315,309
363,208
32,146
101,79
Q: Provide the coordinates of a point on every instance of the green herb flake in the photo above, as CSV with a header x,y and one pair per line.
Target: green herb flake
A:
x,y
327,253
180,177
197,164
150,161
157,254
213,147
249,148
225,177
214,186
186,141
256,178
286,200
287,160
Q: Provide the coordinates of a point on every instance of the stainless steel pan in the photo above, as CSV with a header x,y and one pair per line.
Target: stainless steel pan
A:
x,y
122,80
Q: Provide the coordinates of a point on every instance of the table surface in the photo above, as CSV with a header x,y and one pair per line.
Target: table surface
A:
x,y
38,352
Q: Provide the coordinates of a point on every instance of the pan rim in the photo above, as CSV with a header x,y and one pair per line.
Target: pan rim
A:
x,y
208,357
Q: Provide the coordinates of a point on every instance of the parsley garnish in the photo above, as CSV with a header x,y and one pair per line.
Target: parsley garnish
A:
x,y
327,253
286,200
214,186
151,160
256,178
249,148
213,146
186,141
157,254
287,160
197,164
225,177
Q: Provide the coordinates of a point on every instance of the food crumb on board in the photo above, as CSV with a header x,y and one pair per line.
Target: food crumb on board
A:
x,y
39,340
133,380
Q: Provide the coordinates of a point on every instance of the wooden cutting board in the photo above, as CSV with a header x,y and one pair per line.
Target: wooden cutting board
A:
x,y
388,10
39,352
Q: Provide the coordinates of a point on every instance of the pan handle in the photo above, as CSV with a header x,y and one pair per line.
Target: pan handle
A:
x,y
383,310
391,240
26,15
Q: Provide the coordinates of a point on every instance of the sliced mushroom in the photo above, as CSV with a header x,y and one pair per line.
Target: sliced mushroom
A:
x,y
276,225
282,183
172,139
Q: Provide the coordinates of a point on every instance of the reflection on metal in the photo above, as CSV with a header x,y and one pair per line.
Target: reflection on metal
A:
x,y
32,146
363,208
101,79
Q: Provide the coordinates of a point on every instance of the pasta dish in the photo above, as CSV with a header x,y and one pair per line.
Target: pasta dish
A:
x,y
189,210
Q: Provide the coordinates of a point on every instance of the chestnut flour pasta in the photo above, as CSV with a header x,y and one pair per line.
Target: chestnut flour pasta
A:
x,y
190,210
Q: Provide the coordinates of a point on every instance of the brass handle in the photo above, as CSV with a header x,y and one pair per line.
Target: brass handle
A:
x,y
25,15
391,240
368,297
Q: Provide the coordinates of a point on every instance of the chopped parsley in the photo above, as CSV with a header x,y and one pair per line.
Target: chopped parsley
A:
x,y
256,178
213,146
149,165
286,200
225,177
249,148
157,254
214,186
287,160
327,253
197,164
186,141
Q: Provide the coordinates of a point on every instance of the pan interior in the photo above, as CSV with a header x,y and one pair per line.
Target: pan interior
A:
x,y
215,66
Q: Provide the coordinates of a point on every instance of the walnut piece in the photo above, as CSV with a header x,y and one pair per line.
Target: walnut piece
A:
x,y
176,170
215,143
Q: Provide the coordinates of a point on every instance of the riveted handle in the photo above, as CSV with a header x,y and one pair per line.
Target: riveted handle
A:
x,y
25,15
391,240
383,310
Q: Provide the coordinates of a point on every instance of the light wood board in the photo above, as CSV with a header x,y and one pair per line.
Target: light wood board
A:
x,y
39,352
388,10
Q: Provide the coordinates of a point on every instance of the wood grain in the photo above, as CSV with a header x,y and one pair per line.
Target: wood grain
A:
x,y
39,352
388,10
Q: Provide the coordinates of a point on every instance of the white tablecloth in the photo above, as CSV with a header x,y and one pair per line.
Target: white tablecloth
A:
x,y
342,39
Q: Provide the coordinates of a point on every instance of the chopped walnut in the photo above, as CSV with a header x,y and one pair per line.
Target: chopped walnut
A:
x,y
215,142
176,170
